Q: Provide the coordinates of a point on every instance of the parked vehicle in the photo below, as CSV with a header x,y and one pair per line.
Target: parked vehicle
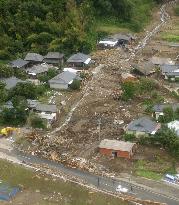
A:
x,y
121,189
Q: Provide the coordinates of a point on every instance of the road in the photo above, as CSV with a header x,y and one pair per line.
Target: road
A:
x,y
103,183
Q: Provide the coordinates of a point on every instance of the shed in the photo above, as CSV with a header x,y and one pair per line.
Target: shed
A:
x,y
54,58
79,60
19,63
117,148
34,58
143,126
62,80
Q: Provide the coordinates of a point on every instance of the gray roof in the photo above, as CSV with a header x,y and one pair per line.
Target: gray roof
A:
x,y
78,58
54,55
160,107
63,78
32,103
46,108
37,69
173,74
116,145
145,68
168,68
34,57
143,124
19,63
11,82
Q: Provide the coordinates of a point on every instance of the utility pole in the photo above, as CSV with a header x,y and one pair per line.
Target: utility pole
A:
x,y
99,128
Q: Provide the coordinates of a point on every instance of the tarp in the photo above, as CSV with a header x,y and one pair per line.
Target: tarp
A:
x,y
7,192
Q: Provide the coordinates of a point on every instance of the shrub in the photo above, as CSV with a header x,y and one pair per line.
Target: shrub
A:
x,y
129,137
37,122
176,10
75,85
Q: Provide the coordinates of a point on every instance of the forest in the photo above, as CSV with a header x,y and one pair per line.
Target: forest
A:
x,y
64,25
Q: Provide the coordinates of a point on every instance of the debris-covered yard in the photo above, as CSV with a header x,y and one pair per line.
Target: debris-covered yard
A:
x,y
96,115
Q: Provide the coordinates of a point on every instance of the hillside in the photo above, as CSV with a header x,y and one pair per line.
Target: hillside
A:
x,y
66,26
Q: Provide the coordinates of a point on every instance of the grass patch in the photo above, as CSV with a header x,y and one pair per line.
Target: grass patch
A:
x,y
171,37
155,168
16,175
148,174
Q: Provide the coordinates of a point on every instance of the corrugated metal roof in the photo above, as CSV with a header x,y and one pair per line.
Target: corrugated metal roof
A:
x,y
116,145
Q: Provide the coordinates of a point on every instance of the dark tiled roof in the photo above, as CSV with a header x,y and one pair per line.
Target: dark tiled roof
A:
x,y
143,124
160,107
19,63
78,58
168,68
54,55
46,108
11,82
34,57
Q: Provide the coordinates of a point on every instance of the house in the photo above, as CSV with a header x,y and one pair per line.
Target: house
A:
x,y
117,148
79,60
36,70
170,72
174,125
108,43
54,58
47,112
19,63
160,61
11,82
63,80
173,76
144,68
158,109
126,77
143,126
34,58
168,69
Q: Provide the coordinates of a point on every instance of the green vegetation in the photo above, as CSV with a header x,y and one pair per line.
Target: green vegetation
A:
x,y
71,193
169,115
75,85
66,26
36,122
129,137
49,75
136,89
176,10
170,37
154,169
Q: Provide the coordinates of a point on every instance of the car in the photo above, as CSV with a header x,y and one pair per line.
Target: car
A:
x,y
121,189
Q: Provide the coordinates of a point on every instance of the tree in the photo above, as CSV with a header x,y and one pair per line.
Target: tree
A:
x,y
37,122
28,90
169,140
49,75
3,93
6,71
168,115
129,90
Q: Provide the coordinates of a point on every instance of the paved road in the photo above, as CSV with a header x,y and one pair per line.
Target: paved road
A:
x,y
104,183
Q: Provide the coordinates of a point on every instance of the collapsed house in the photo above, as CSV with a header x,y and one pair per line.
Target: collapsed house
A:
x,y
144,68
161,61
